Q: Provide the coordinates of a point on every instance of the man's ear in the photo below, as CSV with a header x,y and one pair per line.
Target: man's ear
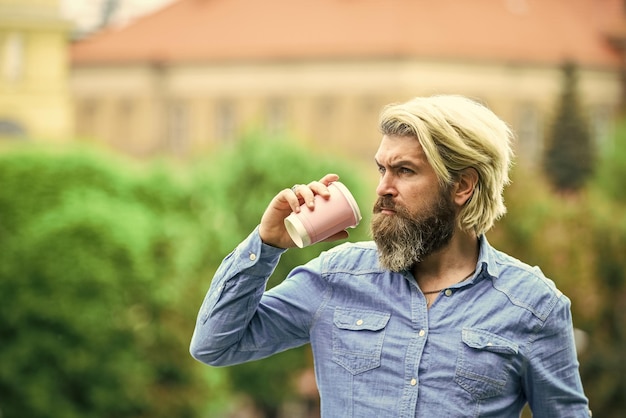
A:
x,y
465,186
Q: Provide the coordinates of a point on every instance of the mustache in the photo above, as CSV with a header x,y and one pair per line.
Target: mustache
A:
x,y
384,202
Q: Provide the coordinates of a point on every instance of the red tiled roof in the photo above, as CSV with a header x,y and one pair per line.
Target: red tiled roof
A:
x,y
542,31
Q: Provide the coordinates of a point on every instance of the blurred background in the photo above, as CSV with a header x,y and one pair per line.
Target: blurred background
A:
x,y
141,140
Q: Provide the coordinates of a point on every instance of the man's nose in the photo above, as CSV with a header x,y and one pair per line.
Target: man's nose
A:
x,y
386,186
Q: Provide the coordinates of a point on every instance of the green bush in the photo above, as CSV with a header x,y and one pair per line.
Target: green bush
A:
x,y
90,285
609,180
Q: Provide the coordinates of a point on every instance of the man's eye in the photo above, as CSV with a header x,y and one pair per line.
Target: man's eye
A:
x,y
404,170
381,169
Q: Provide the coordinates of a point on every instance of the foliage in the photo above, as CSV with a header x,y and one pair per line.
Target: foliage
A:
x,y
612,172
578,241
90,285
569,159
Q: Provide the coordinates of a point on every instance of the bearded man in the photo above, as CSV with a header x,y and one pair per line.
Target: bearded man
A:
x,y
428,320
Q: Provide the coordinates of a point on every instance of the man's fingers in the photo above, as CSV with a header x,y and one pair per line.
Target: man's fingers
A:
x,y
329,178
306,193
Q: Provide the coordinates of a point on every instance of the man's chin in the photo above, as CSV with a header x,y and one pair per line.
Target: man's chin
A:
x,y
395,261
385,215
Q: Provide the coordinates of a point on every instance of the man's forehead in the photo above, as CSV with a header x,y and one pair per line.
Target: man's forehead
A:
x,y
395,148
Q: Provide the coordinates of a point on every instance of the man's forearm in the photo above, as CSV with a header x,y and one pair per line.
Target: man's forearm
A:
x,y
231,302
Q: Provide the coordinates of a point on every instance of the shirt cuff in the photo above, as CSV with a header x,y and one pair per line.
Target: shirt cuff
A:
x,y
252,254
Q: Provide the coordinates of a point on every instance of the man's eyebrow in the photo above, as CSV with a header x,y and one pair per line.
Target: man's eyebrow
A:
x,y
398,163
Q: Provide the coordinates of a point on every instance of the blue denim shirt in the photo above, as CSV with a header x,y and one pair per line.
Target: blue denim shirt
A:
x,y
485,347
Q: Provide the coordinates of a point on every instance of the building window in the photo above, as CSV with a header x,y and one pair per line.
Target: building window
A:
x,y
276,116
177,129
125,115
225,120
325,119
601,125
529,134
326,107
13,57
11,128
86,118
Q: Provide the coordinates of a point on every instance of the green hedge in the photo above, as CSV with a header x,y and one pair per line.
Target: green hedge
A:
x,y
92,276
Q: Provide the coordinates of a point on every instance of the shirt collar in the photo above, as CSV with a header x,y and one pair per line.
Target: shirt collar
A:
x,y
486,265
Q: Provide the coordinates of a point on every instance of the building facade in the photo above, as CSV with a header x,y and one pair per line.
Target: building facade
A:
x,y
35,101
198,74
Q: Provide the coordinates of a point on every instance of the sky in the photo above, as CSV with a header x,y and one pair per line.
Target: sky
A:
x,y
87,14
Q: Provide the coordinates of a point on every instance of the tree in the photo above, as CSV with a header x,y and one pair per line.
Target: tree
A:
x,y
569,158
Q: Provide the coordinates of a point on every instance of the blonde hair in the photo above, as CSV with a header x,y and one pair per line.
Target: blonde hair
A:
x,y
457,133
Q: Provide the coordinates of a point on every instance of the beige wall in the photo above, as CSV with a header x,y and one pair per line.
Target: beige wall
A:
x,y
34,90
331,105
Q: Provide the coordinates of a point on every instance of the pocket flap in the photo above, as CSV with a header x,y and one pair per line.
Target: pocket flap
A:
x,y
483,340
358,319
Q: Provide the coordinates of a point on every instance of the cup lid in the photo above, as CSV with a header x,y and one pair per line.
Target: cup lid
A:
x,y
297,231
355,207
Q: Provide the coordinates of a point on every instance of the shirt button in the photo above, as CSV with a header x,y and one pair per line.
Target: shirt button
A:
x,y
359,322
252,256
448,292
413,382
421,333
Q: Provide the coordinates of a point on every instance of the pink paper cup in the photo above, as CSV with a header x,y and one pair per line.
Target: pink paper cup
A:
x,y
329,216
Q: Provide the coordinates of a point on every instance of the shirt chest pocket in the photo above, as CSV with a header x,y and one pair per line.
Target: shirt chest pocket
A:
x,y
484,362
358,338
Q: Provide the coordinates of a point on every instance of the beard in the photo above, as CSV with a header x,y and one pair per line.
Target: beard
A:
x,y
405,239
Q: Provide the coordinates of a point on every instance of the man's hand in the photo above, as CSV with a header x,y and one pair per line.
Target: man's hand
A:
x,y
272,229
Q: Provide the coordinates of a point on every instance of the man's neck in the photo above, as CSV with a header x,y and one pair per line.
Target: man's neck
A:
x,y
449,265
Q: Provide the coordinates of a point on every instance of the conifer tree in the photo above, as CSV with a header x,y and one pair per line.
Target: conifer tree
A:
x,y
569,157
